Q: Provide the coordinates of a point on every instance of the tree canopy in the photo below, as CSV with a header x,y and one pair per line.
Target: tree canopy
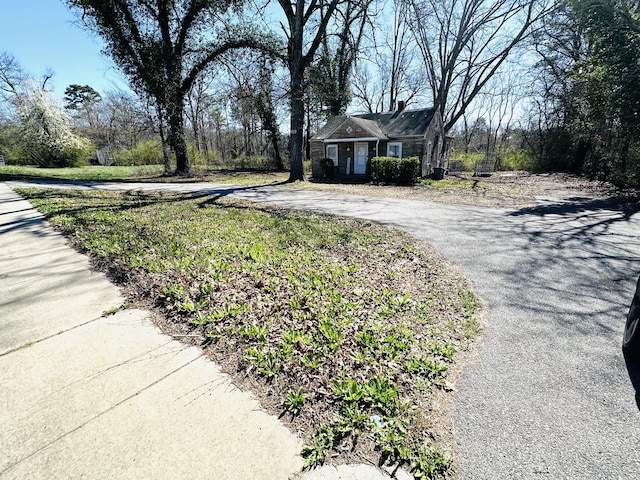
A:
x,y
164,46
76,96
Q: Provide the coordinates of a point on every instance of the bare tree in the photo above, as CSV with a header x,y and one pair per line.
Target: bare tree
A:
x,y
464,43
402,78
330,73
125,120
392,73
497,106
12,76
198,102
306,26
369,87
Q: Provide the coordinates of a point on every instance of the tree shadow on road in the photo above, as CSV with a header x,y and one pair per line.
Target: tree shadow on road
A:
x,y
576,205
595,241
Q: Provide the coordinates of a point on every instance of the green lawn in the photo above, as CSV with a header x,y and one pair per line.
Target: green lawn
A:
x,y
146,173
351,331
85,174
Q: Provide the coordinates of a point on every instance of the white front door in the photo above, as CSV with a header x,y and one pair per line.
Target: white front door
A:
x,y
361,157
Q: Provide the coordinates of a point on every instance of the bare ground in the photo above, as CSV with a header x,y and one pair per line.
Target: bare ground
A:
x,y
501,190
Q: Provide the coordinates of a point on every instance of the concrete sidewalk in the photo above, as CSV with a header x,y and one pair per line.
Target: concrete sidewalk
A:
x,y
87,396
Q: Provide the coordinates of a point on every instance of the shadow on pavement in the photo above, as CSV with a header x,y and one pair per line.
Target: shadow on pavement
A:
x,y
577,205
562,274
633,368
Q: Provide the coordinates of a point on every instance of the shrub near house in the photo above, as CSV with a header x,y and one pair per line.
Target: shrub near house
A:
x,y
394,170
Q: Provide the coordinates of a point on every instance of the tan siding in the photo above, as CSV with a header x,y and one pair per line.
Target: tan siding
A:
x,y
317,152
357,131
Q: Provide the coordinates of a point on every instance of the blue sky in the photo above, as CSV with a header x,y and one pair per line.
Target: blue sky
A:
x,y
41,34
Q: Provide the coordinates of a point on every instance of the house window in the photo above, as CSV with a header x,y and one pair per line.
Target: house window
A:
x,y
332,153
394,149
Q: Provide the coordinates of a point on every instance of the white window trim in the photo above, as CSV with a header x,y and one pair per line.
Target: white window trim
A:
x,y
350,140
334,158
394,144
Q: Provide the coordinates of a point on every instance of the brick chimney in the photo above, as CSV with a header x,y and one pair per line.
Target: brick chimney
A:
x,y
401,105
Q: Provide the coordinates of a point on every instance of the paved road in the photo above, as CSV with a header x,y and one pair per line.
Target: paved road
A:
x,y
551,396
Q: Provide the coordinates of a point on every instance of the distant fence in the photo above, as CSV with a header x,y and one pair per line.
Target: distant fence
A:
x,y
485,167
456,166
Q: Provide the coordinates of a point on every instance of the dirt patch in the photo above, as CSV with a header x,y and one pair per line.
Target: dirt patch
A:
x,y
501,190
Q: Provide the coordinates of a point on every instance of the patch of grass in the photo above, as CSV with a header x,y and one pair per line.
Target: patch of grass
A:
x,y
147,173
89,173
448,183
293,302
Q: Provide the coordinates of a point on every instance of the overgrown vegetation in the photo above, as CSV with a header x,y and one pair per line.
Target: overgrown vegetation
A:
x,y
144,153
589,117
351,331
508,158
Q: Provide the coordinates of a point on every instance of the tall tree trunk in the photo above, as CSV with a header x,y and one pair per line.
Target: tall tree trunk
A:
x,y
177,139
163,142
297,127
307,137
297,116
277,158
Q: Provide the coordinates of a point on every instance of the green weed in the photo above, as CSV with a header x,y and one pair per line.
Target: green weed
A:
x,y
445,350
430,463
351,420
382,394
348,390
469,302
112,311
321,444
266,362
472,328
425,367
255,332
390,439
294,401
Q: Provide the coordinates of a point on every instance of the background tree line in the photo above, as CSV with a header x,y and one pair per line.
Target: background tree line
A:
x,y
539,84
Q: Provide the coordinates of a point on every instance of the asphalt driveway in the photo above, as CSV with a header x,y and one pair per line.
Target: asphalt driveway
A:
x,y
551,395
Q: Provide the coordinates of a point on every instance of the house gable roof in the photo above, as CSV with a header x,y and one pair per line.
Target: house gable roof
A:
x,y
369,125
403,124
340,123
406,123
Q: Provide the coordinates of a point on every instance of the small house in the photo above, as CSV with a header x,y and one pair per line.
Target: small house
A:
x,y
351,140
